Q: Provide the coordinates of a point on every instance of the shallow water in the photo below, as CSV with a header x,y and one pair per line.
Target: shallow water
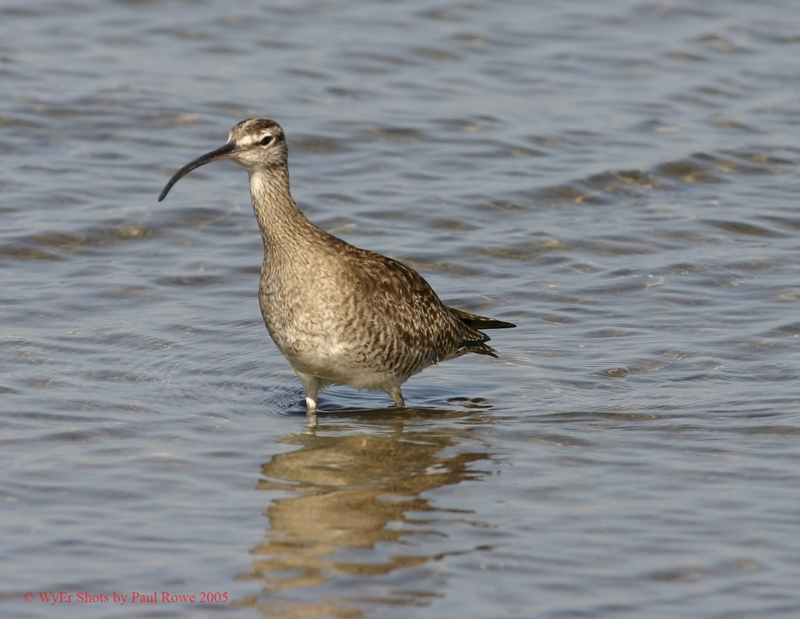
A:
x,y
617,178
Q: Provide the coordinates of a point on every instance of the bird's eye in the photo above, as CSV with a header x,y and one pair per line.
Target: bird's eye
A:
x,y
265,140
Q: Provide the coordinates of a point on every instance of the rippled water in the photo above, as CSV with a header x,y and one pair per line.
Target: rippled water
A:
x,y
618,178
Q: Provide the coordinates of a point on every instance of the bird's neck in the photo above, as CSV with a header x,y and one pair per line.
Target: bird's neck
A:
x,y
283,225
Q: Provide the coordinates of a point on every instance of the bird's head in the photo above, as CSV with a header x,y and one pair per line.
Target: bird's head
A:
x,y
256,144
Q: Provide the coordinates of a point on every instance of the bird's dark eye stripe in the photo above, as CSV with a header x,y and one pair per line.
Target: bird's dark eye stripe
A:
x,y
265,140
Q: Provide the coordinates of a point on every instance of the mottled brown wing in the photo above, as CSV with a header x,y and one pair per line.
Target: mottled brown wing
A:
x,y
412,317
416,314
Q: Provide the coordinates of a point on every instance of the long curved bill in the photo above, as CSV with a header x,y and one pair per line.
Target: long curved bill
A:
x,y
225,152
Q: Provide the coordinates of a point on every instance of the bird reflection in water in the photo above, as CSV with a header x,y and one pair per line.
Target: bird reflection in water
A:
x,y
357,509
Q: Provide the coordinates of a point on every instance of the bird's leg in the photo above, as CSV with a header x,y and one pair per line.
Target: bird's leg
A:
x,y
397,396
311,406
311,385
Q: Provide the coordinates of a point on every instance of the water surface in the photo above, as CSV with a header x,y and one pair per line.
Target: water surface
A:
x,y
617,178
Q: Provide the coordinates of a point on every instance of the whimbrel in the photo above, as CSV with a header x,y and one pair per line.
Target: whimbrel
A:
x,y
339,314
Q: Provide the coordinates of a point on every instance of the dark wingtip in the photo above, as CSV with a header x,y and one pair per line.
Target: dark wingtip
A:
x,y
480,322
499,324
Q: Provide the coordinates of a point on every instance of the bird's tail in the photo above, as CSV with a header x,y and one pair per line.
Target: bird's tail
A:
x,y
476,324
